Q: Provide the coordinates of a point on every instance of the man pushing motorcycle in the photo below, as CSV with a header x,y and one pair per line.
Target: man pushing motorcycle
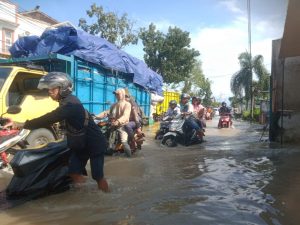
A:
x,y
84,137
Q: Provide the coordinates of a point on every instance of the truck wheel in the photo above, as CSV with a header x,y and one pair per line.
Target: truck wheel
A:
x,y
39,137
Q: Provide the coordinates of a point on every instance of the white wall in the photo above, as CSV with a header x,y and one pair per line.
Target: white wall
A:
x,y
8,11
19,24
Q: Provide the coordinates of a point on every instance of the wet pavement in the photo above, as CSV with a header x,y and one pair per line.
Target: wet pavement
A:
x,y
231,178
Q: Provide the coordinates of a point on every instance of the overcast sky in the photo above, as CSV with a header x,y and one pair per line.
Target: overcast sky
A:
x,y
218,28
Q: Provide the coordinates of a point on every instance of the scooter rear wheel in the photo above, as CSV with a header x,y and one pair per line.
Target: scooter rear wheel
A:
x,y
169,141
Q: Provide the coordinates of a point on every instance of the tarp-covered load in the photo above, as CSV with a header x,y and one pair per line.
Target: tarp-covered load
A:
x,y
69,41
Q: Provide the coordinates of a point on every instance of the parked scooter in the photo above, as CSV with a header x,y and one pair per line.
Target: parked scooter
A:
x,y
9,137
225,120
180,133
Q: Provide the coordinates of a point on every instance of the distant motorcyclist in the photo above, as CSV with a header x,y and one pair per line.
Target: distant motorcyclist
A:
x,y
199,111
187,109
173,109
225,111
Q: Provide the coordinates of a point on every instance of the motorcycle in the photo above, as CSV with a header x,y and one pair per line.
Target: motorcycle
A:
x,y
112,134
164,127
180,133
37,173
225,121
10,137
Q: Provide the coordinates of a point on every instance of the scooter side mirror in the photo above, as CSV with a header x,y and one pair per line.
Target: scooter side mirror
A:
x,y
14,109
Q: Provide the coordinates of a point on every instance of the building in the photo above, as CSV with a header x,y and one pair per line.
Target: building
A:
x,y
285,80
15,24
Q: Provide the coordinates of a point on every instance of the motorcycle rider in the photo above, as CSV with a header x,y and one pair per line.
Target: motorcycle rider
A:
x,y
119,114
83,136
187,110
135,124
199,111
173,109
224,111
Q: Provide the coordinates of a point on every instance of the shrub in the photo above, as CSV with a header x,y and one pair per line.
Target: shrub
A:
x,y
247,116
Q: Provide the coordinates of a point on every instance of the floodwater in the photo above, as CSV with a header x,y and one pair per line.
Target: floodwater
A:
x,y
231,178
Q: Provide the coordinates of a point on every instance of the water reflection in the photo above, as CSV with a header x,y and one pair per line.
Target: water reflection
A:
x,y
223,191
230,179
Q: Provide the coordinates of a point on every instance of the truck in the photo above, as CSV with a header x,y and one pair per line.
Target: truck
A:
x,y
93,85
162,107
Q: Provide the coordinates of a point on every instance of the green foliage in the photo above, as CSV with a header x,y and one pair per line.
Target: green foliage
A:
x,y
235,101
168,54
108,25
256,113
241,81
215,104
246,115
200,86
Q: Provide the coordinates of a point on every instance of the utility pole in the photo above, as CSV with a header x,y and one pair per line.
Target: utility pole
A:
x,y
250,52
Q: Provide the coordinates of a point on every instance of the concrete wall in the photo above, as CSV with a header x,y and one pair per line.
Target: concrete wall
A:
x,y
286,82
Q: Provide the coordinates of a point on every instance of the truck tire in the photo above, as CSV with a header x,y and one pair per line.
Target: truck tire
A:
x,y
39,137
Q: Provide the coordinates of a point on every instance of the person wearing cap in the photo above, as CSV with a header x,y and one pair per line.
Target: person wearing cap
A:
x,y
119,114
84,137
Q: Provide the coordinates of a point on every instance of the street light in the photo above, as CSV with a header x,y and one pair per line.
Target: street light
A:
x,y
250,52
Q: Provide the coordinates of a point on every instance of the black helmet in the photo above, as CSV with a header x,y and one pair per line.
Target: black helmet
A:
x,y
172,102
223,103
57,79
184,95
196,98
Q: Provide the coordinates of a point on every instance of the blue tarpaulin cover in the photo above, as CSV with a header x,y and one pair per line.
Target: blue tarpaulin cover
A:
x,y
67,40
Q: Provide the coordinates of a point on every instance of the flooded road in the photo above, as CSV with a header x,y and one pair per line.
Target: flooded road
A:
x,y
231,178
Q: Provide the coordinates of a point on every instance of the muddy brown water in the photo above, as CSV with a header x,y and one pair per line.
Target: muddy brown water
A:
x,y
231,178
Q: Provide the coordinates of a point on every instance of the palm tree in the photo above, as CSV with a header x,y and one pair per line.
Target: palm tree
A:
x,y
241,81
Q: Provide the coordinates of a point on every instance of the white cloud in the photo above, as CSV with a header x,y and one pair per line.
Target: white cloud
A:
x,y
231,5
220,48
163,25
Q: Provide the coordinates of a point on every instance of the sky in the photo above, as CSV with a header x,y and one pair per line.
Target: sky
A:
x,y
218,28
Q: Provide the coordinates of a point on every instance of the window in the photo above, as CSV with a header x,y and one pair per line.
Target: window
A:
x,y
7,39
4,73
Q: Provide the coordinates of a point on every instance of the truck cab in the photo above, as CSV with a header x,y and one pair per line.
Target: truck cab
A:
x,y
18,86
